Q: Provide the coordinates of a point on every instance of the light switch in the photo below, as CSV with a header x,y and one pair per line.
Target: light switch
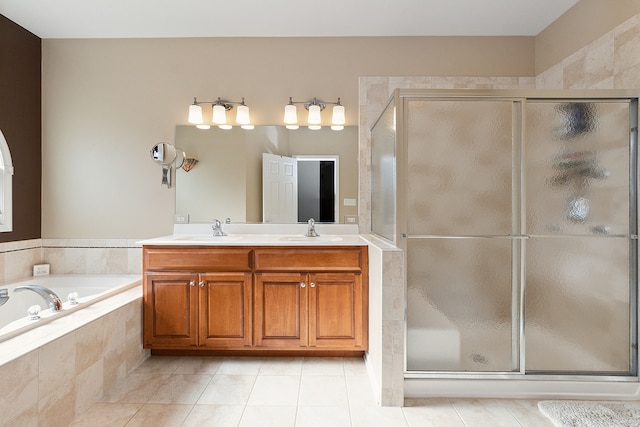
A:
x,y
349,202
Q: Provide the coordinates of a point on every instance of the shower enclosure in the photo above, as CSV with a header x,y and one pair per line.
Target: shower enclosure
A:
x,y
517,215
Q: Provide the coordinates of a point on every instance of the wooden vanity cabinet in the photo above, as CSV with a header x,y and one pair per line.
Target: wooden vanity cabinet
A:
x,y
293,299
186,309
322,305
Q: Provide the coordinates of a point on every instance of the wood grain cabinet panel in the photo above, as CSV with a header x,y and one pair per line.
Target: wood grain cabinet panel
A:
x,y
169,310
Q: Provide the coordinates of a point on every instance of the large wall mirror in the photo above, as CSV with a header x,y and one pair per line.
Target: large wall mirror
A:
x,y
226,181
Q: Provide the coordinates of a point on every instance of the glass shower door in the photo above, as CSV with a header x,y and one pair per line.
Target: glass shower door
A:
x,y
579,285
460,226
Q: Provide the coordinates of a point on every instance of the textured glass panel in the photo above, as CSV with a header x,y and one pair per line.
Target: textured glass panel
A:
x,y
459,165
577,304
576,160
383,175
459,305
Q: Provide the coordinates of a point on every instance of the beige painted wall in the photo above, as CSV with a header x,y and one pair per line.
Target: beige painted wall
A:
x,y
107,102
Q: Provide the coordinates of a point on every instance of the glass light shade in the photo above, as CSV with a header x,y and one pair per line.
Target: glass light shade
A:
x,y
205,127
242,115
195,114
219,115
314,115
292,127
315,127
290,114
337,127
247,127
225,127
338,115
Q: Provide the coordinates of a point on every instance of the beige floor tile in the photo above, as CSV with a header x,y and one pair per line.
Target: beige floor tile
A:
x,y
228,390
185,389
527,413
359,390
268,416
135,388
323,366
240,366
107,415
432,413
281,390
377,416
194,365
160,415
322,390
354,366
478,413
159,365
282,366
214,415
322,416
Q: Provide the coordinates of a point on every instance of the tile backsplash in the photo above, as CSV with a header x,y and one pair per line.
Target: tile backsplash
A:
x,y
70,256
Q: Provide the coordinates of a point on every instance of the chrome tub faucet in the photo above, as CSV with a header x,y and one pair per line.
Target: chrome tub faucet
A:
x,y
53,301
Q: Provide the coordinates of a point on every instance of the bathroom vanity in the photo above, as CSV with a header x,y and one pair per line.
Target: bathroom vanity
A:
x,y
256,293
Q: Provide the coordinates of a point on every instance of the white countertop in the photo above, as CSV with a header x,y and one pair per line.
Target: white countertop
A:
x,y
260,235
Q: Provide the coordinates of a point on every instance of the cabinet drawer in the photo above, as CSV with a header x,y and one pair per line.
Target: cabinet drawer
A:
x,y
309,259
200,259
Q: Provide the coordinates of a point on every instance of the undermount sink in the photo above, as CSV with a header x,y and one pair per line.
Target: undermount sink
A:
x,y
209,238
312,239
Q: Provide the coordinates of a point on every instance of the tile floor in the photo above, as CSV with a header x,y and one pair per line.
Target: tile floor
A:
x,y
264,392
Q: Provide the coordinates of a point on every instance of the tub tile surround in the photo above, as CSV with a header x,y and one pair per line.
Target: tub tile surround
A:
x,y
55,382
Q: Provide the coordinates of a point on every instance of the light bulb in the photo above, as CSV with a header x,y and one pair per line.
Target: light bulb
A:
x,y
205,127
219,114
290,114
225,127
195,114
247,127
314,115
292,127
337,127
338,115
315,127
242,115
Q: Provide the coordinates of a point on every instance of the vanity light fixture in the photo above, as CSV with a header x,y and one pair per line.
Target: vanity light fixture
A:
x,y
219,116
314,119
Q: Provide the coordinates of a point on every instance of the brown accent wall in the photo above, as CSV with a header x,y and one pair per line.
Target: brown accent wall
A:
x,y
20,121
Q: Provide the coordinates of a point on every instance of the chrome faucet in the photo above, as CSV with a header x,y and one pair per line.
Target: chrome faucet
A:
x,y
217,228
54,302
311,229
4,296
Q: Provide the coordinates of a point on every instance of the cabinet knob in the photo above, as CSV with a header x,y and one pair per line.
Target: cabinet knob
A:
x,y
303,285
313,285
192,283
201,284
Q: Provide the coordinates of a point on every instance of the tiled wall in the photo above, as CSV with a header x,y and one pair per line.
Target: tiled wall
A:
x,y
78,256
610,62
50,386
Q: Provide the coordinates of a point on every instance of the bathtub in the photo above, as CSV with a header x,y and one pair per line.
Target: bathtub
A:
x,y
89,288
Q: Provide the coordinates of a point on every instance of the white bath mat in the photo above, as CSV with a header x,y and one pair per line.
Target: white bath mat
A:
x,y
571,413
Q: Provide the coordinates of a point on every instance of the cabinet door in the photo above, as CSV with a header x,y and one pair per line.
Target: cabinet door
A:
x,y
225,310
170,305
336,312
280,310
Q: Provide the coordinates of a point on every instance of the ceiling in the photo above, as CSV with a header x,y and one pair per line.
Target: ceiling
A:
x,y
282,18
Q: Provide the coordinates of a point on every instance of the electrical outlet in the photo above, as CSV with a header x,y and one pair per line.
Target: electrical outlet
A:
x,y
350,219
41,270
